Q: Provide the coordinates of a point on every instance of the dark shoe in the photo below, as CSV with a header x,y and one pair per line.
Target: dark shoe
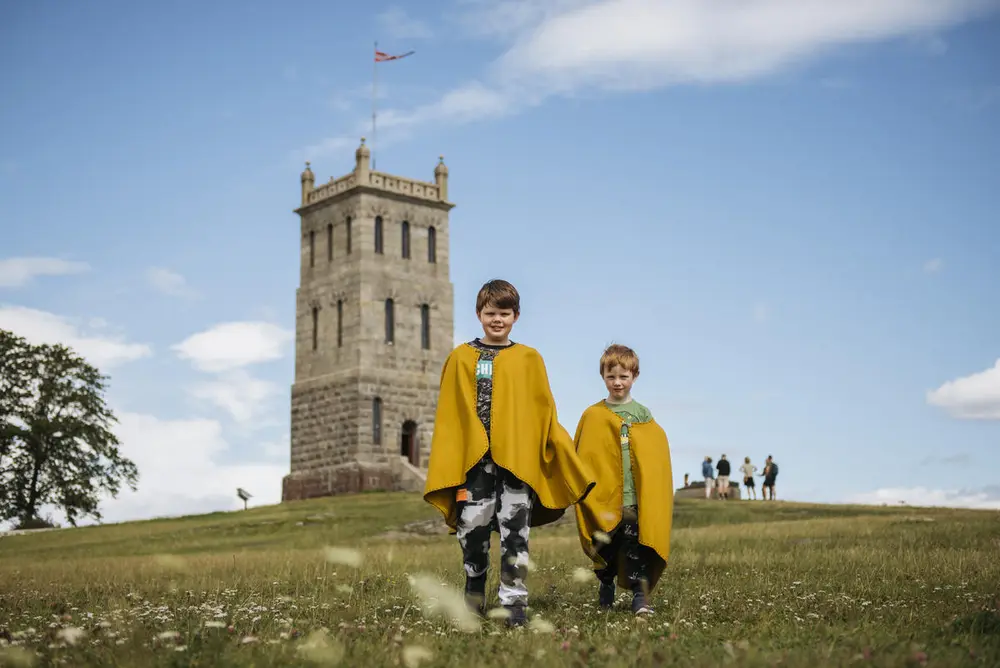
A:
x,y
639,606
475,594
517,617
606,595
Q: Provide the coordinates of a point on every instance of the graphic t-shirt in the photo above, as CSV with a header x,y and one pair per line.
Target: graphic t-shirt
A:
x,y
484,380
630,412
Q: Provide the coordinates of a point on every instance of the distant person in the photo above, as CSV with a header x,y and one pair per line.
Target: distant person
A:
x,y
624,524
770,474
723,468
706,472
685,479
748,470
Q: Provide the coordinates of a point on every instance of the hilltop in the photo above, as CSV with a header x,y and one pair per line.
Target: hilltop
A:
x,y
757,583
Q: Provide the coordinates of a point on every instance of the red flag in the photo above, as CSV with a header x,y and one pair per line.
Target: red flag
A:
x,y
381,56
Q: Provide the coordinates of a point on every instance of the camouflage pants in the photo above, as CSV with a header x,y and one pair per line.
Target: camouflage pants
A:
x,y
625,545
495,499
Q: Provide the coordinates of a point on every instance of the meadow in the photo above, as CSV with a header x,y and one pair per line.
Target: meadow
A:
x,y
369,580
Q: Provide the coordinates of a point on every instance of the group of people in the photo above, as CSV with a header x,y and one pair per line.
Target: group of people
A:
x,y
500,461
720,483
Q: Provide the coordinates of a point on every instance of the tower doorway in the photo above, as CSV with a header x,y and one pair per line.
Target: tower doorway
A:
x,y
408,443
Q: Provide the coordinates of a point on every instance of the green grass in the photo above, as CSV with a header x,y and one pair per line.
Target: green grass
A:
x,y
749,583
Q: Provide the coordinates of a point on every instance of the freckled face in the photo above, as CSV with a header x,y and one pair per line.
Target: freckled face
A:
x,y
618,381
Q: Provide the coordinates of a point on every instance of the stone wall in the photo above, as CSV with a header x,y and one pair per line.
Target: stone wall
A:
x,y
333,448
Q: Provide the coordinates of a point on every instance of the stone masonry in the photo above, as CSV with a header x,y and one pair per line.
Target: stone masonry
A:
x,y
374,325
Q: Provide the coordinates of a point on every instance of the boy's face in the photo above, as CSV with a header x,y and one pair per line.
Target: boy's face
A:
x,y
497,323
619,382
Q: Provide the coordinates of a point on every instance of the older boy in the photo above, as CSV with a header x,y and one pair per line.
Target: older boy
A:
x,y
500,460
624,523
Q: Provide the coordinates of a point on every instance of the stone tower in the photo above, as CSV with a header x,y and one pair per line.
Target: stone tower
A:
x,y
374,325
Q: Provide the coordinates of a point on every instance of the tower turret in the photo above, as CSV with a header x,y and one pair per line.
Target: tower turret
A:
x,y
308,182
441,179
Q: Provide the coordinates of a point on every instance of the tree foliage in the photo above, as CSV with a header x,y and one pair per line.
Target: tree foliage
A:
x,y
56,443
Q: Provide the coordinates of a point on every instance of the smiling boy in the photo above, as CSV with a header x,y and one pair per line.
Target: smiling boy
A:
x,y
624,523
500,460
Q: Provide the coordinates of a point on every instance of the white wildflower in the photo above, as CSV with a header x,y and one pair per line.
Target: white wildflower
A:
x,y
71,635
321,648
444,600
414,655
539,625
343,555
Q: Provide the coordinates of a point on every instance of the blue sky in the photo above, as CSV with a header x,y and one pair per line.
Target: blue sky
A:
x,y
785,207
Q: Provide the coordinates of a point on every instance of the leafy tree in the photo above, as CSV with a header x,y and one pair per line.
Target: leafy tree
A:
x,y
56,446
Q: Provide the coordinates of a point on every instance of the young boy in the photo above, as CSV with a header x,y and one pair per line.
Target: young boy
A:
x,y
500,460
625,522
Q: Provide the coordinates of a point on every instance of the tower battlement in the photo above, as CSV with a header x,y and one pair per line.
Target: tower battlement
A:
x,y
374,325
365,178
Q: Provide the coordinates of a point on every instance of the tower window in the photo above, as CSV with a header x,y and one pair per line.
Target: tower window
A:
x,y
425,326
315,327
406,239
377,421
312,248
340,323
329,242
348,235
390,321
431,244
378,234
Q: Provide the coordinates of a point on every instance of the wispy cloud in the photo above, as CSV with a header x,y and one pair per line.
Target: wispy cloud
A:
x,y
972,397
986,497
933,266
169,283
958,459
562,47
16,272
94,340
234,345
241,396
396,23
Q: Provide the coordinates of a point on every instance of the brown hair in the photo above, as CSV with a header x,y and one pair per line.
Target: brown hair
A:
x,y
619,355
499,294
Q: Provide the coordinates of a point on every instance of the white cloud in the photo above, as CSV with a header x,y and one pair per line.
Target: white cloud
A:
x,y
933,265
975,397
397,24
182,470
564,46
92,340
16,272
169,282
243,397
988,497
233,345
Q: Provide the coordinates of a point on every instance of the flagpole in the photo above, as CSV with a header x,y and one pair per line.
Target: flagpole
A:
x,y
374,98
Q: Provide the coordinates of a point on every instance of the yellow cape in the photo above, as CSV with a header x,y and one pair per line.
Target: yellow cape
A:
x,y
526,437
598,442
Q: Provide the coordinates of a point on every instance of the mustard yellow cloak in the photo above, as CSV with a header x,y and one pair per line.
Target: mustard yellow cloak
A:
x,y
598,441
525,435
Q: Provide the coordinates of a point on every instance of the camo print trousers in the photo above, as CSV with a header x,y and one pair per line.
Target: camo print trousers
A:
x,y
625,546
496,499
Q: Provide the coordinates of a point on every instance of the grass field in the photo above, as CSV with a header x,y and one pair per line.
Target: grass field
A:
x,y
749,583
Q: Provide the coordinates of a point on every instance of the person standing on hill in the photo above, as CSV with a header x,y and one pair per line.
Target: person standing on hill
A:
x,y
500,461
748,470
770,474
706,472
624,525
724,470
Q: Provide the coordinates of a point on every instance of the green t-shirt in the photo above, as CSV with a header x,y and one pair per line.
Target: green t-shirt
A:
x,y
630,412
